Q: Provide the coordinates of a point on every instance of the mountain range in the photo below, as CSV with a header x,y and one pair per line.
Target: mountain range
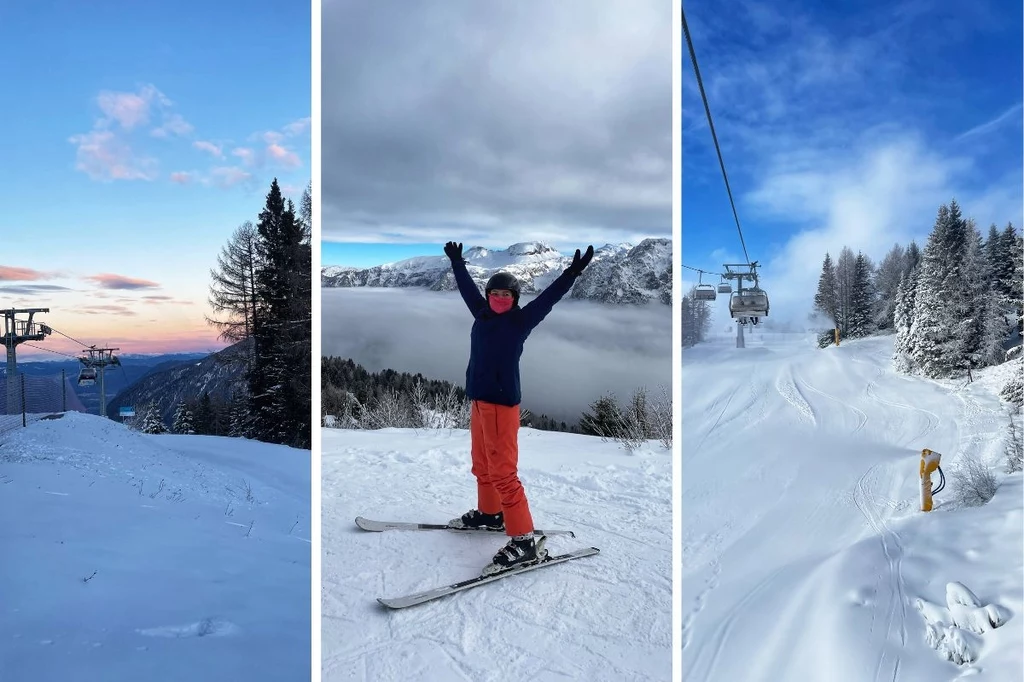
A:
x,y
619,274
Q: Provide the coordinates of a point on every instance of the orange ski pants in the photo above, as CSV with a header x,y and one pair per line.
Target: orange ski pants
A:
x,y
494,430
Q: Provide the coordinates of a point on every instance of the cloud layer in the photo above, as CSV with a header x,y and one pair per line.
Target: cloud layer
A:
x,y
501,122
579,352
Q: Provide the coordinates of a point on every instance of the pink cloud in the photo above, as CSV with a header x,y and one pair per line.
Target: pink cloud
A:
x,y
248,156
181,177
10,273
103,156
173,124
111,281
129,109
298,127
229,176
205,146
283,156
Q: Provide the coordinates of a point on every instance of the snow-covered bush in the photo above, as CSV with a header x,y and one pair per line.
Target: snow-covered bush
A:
x,y
975,483
1014,449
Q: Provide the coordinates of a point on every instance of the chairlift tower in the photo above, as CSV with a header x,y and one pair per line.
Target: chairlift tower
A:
x,y
745,305
18,331
98,359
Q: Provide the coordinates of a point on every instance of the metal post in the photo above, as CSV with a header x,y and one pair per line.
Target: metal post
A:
x,y
24,417
63,391
103,392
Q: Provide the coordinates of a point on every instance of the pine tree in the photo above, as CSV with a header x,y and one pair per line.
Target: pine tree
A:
x,y
233,292
1016,277
151,420
887,279
604,418
183,420
279,378
912,258
942,335
974,286
861,299
826,300
845,267
903,318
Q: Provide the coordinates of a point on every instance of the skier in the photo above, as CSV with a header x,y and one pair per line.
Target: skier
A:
x,y
492,384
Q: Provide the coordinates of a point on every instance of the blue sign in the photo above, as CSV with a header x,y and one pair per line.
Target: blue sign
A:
x,y
127,411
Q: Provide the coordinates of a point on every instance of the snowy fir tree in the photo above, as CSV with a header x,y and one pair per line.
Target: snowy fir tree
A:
x,y
151,420
951,306
826,300
183,420
696,319
861,304
903,317
887,280
934,345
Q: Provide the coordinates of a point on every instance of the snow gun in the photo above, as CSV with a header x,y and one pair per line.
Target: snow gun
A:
x,y
930,463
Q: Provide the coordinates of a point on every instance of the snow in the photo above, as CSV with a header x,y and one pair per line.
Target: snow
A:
x,y
131,556
805,555
605,617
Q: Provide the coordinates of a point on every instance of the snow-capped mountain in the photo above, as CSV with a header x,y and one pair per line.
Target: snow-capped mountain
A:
x,y
619,273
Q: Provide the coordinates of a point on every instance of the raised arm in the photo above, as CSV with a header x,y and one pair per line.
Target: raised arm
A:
x,y
475,301
537,309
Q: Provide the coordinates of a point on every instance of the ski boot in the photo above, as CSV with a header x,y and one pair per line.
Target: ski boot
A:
x,y
521,550
476,519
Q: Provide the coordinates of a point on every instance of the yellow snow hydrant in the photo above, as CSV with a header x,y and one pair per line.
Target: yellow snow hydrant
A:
x,y
929,463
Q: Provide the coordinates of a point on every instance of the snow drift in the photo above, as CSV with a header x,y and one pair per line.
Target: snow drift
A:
x,y
607,617
804,553
127,556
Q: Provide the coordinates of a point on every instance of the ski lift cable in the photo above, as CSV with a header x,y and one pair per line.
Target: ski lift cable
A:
x,y
714,136
50,350
57,331
704,272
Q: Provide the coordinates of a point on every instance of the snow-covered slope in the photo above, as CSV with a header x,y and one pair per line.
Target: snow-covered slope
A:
x,y
606,617
804,554
125,556
619,273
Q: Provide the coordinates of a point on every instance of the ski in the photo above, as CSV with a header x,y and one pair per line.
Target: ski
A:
x,y
380,526
438,592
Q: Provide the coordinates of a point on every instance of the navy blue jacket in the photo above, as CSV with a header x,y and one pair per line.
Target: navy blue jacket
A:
x,y
496,340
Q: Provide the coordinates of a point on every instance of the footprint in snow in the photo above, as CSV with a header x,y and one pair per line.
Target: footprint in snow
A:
x,y
207,627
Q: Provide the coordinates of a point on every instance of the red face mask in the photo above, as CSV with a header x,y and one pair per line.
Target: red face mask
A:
x,y
501,304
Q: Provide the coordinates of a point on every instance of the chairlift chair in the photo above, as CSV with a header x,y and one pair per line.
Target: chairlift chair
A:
x,y
704,292
749,303
725,288
87,376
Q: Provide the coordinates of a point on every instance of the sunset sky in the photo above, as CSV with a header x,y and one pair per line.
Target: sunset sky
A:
x,y
140,140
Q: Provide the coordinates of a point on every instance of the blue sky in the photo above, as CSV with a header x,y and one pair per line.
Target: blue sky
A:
x,y
846,125
139,137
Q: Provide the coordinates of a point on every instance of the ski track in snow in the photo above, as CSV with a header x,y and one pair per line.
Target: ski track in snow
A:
x,y
606,617
803,544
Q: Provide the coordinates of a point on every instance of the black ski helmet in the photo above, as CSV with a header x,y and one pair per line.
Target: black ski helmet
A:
x,y
504,280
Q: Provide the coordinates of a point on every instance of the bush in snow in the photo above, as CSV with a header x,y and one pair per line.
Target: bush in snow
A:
x,y
976,484
1014,449
1013,390
640,420
450,411
952,630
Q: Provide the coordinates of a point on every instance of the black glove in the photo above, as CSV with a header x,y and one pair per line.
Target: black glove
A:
x,y
579,263
453,251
